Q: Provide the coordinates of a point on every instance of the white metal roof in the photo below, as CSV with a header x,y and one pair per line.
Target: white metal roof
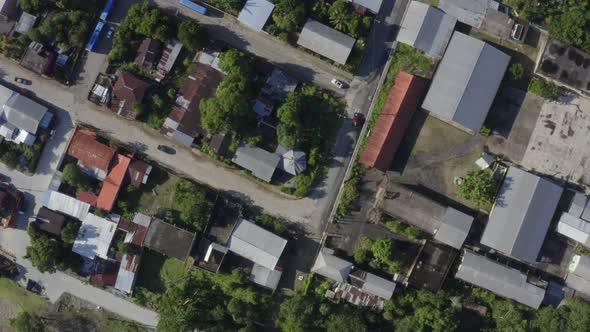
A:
x,y
125,278
264,277
326,41
5,94
260,162
331,267
574,228
471,12
94,237
255,13
59,202
256,244
24,113
454,228
378,286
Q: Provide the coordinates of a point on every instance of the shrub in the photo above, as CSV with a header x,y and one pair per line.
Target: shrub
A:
x,y
516,70
544,89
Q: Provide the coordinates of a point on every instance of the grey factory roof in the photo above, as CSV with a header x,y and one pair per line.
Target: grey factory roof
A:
x,y
426,28
331,267
471,12
255,13
454,228
499,279
466,82
326,41
256,244
378,286
521,215
24,113
261,163
372,5
578,205
264,277
579,276
575,228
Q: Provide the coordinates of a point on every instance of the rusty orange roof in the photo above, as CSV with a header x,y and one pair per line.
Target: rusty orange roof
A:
x,y
87,197
401,104
112,183
89,151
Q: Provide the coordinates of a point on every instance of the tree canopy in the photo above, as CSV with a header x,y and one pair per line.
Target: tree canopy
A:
x,y
479,187
44,254
70,231
73,176
192,204
288,14
67,28
192,35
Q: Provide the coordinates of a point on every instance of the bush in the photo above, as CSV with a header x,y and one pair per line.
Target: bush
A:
x,y
479,187
275,225
544,89
74,177
70,232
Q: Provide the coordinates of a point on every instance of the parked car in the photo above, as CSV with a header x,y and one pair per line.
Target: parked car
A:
x,y
338,83
4,178
166,149
22,81
34,287
110,32
358,119
519,32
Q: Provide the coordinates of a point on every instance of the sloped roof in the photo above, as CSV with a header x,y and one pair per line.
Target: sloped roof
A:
x,y
294,162
402,102
454,228
261,163
256,244
378,286
89,151
24,113
169,240
128,91
574,228
25,23
504,281
331,267
326,41
94,237
426,28
471,12
59,202
372,5
582,267
466,81
50,221
147,53
112,183
521,215
255,13
5,94
139,172
264,277
127,273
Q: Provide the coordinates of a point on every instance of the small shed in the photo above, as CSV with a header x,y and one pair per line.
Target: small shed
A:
x,y
293,162
331,267
454,228
255,14
326,41
485,161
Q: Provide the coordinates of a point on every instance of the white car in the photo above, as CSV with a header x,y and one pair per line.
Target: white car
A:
x,y
337,83
110,32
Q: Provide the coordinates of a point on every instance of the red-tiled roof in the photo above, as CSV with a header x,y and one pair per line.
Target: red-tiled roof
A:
x,y
128,91
139,232
87,197
403,100
137,171
104,279
89,151
112,183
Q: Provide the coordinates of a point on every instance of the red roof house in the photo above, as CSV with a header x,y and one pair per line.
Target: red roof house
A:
x,y
401,104
139,172
87,197
128,92
11,201
112,183
92,155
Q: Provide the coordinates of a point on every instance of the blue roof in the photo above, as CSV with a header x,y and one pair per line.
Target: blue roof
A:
x,y
198,8
95,35
107,9
255,13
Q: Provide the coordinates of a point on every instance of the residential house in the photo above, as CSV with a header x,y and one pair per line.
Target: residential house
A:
x,y
465,83
362,6
128,94
50,222
293,162
168,239
255,13
261,163
9,8
499,279
454,228
578,277
65,204
168,58
94,158
426,28
38,59
94,237
331,267
113,182
136,231
401,104
148,53
220,144
279,85
139,172
21,117
11,201
326,41
521,215
470,12
261,247
184,122
575,222
25,23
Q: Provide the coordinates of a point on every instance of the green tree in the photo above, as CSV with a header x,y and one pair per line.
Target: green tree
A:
x,y
288,14
346,322
296,314
508,317
290,128
236,62
27,322
192,204
10,158
192,35
67,28
44,254
516,70
549,319
544,88
479,187
35,6
339,15
73,176
383,249
69,232
572,27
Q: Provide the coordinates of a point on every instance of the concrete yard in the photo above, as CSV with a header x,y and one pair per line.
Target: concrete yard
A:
x,y
560,140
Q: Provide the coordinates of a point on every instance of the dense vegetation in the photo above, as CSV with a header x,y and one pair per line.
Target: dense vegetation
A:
x,y
49,255
41,6
479,187
192,205
544,88
69,28
380,254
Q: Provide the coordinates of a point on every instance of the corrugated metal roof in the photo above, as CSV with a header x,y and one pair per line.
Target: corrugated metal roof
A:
x,y
331,267
471,12
378,286
261,163
574,228
326,41
125,277
402,102
264,277
372,5
255,13
5,94
426,28
94,237
454,228
466,82
24,113
578,283
59,202
256,244
521,215
510,283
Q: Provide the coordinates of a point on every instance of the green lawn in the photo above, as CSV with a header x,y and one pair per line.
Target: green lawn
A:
x,y
436,134
20,296
157,270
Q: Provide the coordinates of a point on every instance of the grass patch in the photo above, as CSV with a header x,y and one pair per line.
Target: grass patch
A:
x,y
436,134
157,271
156,194
172,271
20,296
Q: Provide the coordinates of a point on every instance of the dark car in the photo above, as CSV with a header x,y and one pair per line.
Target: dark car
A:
x,y
4,178
358,119
34,287
22,81
166,149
